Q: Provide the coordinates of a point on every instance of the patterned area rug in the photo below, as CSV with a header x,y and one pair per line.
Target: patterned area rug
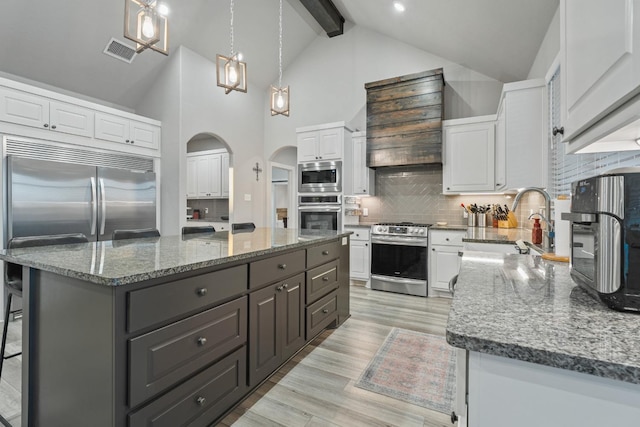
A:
x,y
414,367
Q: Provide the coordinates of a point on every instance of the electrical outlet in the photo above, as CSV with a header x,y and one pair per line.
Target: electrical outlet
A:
x,y
247,197
365,211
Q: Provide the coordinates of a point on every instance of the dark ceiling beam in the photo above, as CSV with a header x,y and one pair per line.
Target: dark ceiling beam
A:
x,y
327,15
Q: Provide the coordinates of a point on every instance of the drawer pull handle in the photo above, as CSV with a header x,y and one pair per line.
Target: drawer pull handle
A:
x,y
279,288
202,341
200,400
282,266
325,310
325,279
447,239
325,252
202,292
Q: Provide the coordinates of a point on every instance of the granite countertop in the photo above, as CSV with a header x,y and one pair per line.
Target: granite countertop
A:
x,y
523,307
122,262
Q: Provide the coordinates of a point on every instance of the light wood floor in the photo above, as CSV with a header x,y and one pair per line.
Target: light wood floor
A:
x,y
316,388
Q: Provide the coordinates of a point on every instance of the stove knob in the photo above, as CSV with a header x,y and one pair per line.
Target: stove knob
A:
x,y
421,231
385,229
412,230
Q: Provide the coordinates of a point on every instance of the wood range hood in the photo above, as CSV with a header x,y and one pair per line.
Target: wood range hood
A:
x,y
404,120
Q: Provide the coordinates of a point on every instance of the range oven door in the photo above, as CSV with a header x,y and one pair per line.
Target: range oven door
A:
x,y
319,218
320,177
399,264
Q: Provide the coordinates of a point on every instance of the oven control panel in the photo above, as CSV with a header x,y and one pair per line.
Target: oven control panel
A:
x,y
418,230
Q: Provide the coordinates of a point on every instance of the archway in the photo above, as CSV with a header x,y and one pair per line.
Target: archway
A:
x,y
282,188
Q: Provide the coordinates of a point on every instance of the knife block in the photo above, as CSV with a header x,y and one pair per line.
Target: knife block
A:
x,y
511,221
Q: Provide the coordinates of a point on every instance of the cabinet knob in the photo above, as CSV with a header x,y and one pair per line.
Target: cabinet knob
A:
x,y
202,341
325,311
46,125
279,288
447,239
357,235
498,185
366,244
557,130
433,249
53,126
448,188
202,292
325,252
200,400
127,141
282,266
285,286
132,141
325,279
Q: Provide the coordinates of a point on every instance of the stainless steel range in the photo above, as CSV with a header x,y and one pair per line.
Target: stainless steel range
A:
x,y
399,258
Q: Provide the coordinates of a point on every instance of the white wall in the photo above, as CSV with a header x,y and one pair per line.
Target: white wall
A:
x,y
327,83
548,49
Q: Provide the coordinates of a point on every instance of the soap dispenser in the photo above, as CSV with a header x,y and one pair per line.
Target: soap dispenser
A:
x,y
536,233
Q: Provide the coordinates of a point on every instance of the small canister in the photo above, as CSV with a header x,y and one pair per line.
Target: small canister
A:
x,y
472,220
482,219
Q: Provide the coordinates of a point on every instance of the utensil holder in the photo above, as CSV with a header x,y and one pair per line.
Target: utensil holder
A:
x,y
481,220
472,220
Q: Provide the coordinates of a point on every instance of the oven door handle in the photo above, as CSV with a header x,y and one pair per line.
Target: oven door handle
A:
x,y
325,209
400,241
401,280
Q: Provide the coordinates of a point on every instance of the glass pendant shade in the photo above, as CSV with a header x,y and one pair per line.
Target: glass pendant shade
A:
x,y
280,101
145,26
231,73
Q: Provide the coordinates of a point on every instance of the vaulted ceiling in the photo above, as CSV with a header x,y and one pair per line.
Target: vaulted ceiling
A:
x,y
60,43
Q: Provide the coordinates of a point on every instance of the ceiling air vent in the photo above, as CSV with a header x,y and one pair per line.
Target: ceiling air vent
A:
x,y
119,50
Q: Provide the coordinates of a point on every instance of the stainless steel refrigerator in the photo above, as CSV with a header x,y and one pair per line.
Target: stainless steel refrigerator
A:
x,y
47,197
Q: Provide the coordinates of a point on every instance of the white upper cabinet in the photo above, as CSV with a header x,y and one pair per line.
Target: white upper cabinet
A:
x,y
321,143
208,175
359,179
123,130
600,41
469,155
30,111
521,136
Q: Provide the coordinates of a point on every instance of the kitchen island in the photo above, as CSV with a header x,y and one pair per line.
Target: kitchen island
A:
x,y
541,351
170,330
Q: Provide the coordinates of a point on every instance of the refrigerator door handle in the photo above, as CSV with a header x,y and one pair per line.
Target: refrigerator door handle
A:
x,y
103,214
94,206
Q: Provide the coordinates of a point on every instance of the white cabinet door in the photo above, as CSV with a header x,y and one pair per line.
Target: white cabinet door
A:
x,y
330,144
445,263
601,64
23,108
215,182
225,175
359,260
469,158
192,177
203,176
501,150
307,147
112,128
144,135
526,137
68,118
363,181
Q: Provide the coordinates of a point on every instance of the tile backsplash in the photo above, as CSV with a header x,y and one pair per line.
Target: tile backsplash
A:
x,y
217,207
414,193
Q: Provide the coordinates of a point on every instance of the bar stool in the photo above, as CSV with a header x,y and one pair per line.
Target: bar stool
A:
x,y
242,227
200,229
134,234
13,275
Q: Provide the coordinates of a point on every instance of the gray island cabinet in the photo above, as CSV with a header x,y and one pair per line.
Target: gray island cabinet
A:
x,y
170,330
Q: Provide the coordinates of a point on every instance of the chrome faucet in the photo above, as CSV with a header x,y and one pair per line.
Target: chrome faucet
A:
x,y
549,233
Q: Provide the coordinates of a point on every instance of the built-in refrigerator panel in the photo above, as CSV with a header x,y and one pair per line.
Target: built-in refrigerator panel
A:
x,y
46,197
127,200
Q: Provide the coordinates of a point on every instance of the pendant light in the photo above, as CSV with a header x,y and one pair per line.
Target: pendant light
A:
x,y
145,22
280,95
231,72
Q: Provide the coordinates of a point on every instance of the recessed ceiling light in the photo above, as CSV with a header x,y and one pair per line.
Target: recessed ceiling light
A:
x,y
398,6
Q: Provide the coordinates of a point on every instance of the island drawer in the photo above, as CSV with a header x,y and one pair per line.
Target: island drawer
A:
x,y
321,314
275,268
167,355
163,302
322,253
200,400
322,280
